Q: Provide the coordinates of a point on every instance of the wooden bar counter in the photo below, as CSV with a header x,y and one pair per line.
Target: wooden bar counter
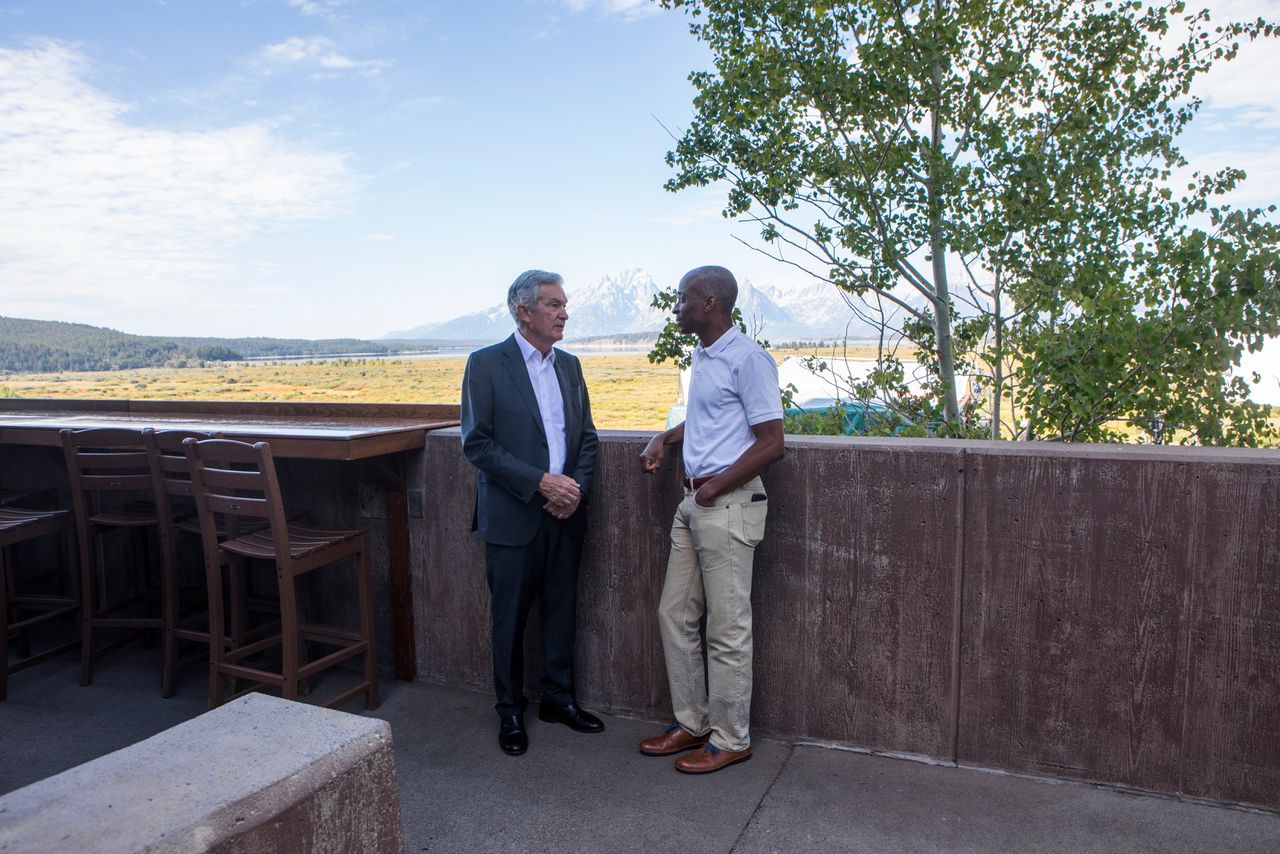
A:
x,y
376,435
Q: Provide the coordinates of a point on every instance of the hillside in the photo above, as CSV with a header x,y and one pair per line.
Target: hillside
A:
x,y
46,346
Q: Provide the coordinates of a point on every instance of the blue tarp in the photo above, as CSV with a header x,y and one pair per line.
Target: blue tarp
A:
x,y
857,416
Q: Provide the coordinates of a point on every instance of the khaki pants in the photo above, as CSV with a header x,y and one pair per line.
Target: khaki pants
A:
x,y
709,572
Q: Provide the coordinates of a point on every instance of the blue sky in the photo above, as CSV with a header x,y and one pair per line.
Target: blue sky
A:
x,y
320,168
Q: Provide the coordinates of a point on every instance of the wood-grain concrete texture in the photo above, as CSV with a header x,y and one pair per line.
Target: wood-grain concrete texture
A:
x,y
1122,619
1106,613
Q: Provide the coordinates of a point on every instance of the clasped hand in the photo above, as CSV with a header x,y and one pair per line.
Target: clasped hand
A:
x,y
562,494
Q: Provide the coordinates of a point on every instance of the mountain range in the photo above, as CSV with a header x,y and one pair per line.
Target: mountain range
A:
x,y
621,303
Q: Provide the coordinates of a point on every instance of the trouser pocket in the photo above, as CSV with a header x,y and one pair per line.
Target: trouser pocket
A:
x,y
750,515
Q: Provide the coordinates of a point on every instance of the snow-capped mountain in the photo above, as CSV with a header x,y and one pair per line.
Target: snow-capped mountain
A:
x,y
491,324
811,310
621,303
615,304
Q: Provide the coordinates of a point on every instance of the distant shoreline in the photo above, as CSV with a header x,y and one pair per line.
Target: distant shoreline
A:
x,y
325,357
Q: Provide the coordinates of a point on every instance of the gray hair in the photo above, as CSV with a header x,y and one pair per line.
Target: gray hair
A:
x,y
524,290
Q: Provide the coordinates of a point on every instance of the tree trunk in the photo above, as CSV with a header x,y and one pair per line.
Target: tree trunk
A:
x,y
997,364
941,289
942,332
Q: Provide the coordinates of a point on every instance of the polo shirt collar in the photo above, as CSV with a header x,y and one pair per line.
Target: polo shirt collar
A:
x,y
532,354
722,343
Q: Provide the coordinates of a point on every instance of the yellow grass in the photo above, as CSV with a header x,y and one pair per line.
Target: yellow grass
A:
x,y
626,391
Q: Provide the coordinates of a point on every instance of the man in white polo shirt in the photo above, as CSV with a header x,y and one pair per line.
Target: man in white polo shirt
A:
x,y
732,433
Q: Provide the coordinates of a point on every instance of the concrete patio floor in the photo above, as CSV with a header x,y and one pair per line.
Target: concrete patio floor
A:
x,y
596,793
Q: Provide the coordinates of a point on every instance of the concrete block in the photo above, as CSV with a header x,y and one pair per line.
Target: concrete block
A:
x,y
259,774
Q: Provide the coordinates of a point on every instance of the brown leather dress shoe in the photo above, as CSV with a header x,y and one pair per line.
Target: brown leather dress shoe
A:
x,y
711,758
674,740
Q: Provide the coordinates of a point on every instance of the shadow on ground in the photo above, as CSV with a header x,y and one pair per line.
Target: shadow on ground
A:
x,y
595,793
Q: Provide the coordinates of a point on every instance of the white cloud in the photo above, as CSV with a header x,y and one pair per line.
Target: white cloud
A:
x,y
1250,83
551,27
1266,364
1261,187
96,210
629,9
317,8
315,52
416,104
709,208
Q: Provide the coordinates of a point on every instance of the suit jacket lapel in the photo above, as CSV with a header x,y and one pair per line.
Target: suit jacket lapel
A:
x,y
519,374
572,417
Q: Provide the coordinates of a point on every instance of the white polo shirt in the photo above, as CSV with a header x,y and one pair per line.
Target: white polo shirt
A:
x,y
733,387
546,388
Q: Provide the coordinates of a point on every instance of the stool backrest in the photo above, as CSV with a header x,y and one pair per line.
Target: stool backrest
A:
x,y
236,481
170,481
167,461
107,461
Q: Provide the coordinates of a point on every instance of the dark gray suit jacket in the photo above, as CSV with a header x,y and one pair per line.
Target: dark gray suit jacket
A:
x,y
503,438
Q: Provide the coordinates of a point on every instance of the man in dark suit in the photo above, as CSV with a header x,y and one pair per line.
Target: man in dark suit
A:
x,y
526,427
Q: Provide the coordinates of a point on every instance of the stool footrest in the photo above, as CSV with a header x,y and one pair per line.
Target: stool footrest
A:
x,y
43,617
347,696
127,623
42,602
312,667
30,660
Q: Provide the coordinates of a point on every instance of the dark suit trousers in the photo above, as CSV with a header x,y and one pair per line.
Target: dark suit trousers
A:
x,y
546,568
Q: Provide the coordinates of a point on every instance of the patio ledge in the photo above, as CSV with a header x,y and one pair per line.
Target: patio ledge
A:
x,y
258,774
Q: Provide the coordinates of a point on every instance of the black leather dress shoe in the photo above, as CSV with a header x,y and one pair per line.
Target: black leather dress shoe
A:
x,y
570,715
511,735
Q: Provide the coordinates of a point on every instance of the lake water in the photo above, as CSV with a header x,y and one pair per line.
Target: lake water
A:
x,y
443,353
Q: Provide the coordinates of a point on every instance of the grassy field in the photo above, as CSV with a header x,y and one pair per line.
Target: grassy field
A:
x,y
626,391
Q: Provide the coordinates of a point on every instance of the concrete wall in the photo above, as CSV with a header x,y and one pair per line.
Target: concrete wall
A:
x,y
1099,613
1106,613
1122,619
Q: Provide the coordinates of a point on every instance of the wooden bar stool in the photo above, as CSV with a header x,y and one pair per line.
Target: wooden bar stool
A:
x,y
29,498
187,617
20,526
174,501
111,490
236,482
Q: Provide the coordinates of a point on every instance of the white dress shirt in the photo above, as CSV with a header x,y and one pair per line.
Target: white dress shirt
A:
x,y
546,388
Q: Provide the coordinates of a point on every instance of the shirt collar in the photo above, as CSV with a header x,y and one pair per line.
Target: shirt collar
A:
x,y
531,353
722,343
